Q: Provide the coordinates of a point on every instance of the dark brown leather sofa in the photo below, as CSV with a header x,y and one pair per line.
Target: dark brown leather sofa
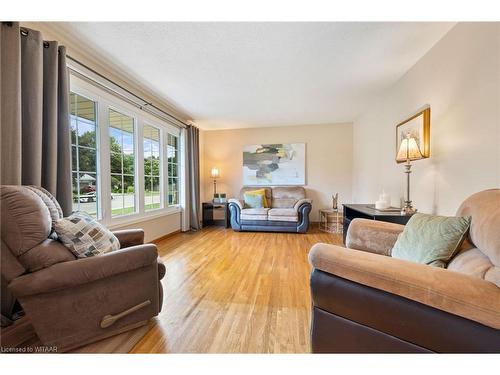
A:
x,y
69,301
364,301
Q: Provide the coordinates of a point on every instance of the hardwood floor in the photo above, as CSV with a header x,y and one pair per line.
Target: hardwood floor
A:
x,y
22,335
230,292
224,292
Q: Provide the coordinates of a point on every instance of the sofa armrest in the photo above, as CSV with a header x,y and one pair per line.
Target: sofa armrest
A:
x,y
129,237
237,202
455,293
162,270
373,236
235,207
82,271
300,202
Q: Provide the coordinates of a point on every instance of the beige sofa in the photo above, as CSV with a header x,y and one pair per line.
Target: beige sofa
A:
x,y
366,301
288,212
70,301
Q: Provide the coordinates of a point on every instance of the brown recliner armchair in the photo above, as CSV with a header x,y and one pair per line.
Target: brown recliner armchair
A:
x,y
364,301
69,301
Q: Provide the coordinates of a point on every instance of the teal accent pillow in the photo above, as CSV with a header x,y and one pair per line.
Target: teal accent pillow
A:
x,y
253,200
431,239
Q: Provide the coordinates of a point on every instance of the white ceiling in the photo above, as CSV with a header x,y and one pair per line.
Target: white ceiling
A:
x,y
234,75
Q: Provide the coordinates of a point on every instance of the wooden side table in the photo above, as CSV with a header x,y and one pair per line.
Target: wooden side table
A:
x,y
330,220
216,214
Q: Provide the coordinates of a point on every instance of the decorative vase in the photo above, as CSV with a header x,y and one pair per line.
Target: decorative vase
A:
x,y
335,201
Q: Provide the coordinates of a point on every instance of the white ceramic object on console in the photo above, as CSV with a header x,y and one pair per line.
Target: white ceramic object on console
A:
x,y
383,201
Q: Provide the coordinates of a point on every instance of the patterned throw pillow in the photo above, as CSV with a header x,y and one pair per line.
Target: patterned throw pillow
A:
x,y
84,236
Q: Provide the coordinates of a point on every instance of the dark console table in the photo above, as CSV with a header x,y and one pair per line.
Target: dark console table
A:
x,y
215,214
368,211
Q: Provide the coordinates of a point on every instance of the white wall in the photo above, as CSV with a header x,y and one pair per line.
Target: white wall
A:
x,y
328,159
156,227
459,78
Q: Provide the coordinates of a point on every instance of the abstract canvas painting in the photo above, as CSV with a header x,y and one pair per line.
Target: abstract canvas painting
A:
x,y
274,164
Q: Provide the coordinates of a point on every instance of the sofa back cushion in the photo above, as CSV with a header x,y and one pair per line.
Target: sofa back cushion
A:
x,y
484,208
50,201
26,220
481,260
287,196
245,189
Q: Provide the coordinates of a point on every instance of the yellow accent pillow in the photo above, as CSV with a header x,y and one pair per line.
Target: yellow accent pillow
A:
x,y
260,192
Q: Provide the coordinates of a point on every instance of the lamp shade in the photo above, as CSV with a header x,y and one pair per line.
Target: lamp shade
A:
x,y
214,173
409,150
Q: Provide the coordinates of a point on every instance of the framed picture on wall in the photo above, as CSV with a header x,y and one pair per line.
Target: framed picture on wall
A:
x,y
417,127
274,164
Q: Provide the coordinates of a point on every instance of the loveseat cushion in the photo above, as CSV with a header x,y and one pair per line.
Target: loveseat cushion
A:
x,y
474,263
254,214
287,196
283,214
283,218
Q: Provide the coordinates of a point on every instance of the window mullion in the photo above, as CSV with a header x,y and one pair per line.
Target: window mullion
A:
x,y
104,162
162,170
139,184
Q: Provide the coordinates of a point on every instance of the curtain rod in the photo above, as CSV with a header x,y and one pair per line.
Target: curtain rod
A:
x,y
24,32
141,106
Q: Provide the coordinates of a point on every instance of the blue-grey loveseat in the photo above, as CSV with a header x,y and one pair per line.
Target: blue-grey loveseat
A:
x,y
288,212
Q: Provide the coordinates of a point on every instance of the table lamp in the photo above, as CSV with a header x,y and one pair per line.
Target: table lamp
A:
x,y
408,151
214,173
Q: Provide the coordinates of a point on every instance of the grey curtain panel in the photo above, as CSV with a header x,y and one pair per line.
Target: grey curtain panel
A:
x,y
193,176
34,114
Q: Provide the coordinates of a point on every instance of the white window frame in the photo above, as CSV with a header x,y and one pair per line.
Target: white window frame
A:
x,y
124,111
93,98
162,166
178,163
105,100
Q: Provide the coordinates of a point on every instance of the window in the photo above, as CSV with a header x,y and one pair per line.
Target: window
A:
x,y
173,169
84,154
122,163
125,161
151,144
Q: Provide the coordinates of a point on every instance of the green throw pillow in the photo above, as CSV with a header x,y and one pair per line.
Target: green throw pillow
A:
x,y
253,200
430,239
